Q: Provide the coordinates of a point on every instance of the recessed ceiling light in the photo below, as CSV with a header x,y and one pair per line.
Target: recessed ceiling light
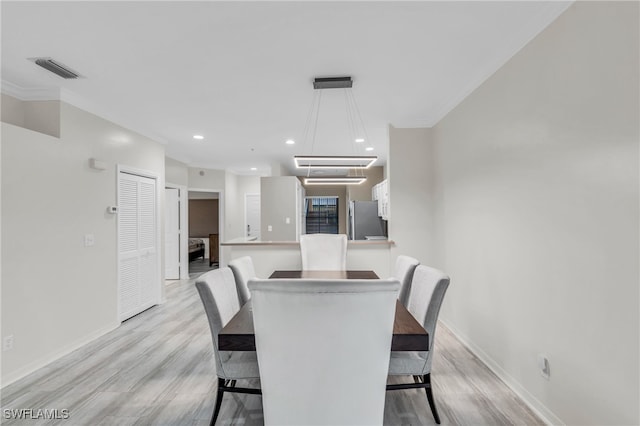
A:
x,y
254,168
290,142
199,137
359,140
369,148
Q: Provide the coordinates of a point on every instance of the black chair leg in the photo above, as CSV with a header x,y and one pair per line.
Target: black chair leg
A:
x,y
432,403
216,411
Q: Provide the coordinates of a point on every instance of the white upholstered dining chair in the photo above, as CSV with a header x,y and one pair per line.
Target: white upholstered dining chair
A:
x,y
323,252
405,266
427,292
217,290
243,271
323,348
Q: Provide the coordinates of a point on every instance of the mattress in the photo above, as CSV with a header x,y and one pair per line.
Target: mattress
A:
x,y
195,244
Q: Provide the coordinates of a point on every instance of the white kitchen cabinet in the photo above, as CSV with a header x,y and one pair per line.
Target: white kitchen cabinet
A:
x,y
380,193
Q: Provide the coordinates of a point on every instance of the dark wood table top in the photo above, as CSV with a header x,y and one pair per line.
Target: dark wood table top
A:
x,y
408,334
339,275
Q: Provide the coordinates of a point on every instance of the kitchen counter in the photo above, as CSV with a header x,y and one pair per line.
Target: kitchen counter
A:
x,y
253,243
267,256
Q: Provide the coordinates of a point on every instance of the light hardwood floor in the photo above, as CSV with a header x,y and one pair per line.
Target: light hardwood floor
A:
x,y
199,266
157,369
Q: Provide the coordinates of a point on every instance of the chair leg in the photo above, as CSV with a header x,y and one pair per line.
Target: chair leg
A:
x,y
432,403
216,411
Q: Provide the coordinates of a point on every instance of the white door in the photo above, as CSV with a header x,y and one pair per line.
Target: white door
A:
x,y
252,215
138,282
172,234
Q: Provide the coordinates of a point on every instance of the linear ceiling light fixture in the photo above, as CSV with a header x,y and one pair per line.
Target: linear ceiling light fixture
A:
x,y
337,180
356,130
334,161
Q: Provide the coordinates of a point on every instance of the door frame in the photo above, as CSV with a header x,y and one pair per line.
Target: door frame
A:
x,y
247,194
158,293
221,221
183,196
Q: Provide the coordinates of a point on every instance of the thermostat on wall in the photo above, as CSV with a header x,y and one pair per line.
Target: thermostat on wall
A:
x,y
112,209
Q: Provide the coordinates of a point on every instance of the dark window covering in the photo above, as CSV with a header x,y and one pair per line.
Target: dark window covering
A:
x,y
322,215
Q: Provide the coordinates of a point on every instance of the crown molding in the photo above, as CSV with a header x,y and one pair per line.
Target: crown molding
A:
x,y
412,124
64,95
30,93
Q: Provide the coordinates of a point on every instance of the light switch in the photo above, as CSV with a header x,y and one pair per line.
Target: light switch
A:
x,y
89,240
287,220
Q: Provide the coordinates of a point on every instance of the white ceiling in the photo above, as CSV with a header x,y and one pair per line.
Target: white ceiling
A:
x,y
240,73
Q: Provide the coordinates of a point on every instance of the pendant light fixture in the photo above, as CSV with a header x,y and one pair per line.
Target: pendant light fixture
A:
x,y
348,162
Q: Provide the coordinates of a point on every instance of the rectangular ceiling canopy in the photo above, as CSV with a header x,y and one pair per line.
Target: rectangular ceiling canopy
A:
x,y
332,83
333,162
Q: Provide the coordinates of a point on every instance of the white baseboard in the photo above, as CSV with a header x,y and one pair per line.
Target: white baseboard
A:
x,y
541,410
49,358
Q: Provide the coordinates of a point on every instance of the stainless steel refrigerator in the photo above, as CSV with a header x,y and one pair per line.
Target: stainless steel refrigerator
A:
x,y
364,220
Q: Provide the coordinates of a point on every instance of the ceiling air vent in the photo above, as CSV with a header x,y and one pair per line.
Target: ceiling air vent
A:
x,y
56,68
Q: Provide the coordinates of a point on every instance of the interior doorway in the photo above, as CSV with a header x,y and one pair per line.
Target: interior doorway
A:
x,y
204,231
172,234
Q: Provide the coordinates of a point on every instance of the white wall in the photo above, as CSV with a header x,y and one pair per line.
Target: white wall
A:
x,y
278,201
538,213
206,179
39,116
236,188
56,293
411,189
176,172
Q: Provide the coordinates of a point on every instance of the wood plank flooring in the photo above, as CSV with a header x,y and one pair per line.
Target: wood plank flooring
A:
x,y
199,266
158,369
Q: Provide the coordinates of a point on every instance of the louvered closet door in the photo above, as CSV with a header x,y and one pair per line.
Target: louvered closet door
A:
x,y
138,285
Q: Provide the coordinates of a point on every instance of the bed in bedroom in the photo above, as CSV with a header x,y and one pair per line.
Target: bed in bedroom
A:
x,y
196,249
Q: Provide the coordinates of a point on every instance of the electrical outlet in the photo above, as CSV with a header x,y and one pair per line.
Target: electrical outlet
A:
x,y
270,228
7,343
89,240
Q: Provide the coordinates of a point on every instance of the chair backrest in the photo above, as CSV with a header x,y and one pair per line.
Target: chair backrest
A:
x,y
323,349
243,271
217,290
405,266
427,292
323,252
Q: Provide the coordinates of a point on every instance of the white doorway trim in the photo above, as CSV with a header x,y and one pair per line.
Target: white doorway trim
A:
x,y
158,295
221,222
246,196
184,229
